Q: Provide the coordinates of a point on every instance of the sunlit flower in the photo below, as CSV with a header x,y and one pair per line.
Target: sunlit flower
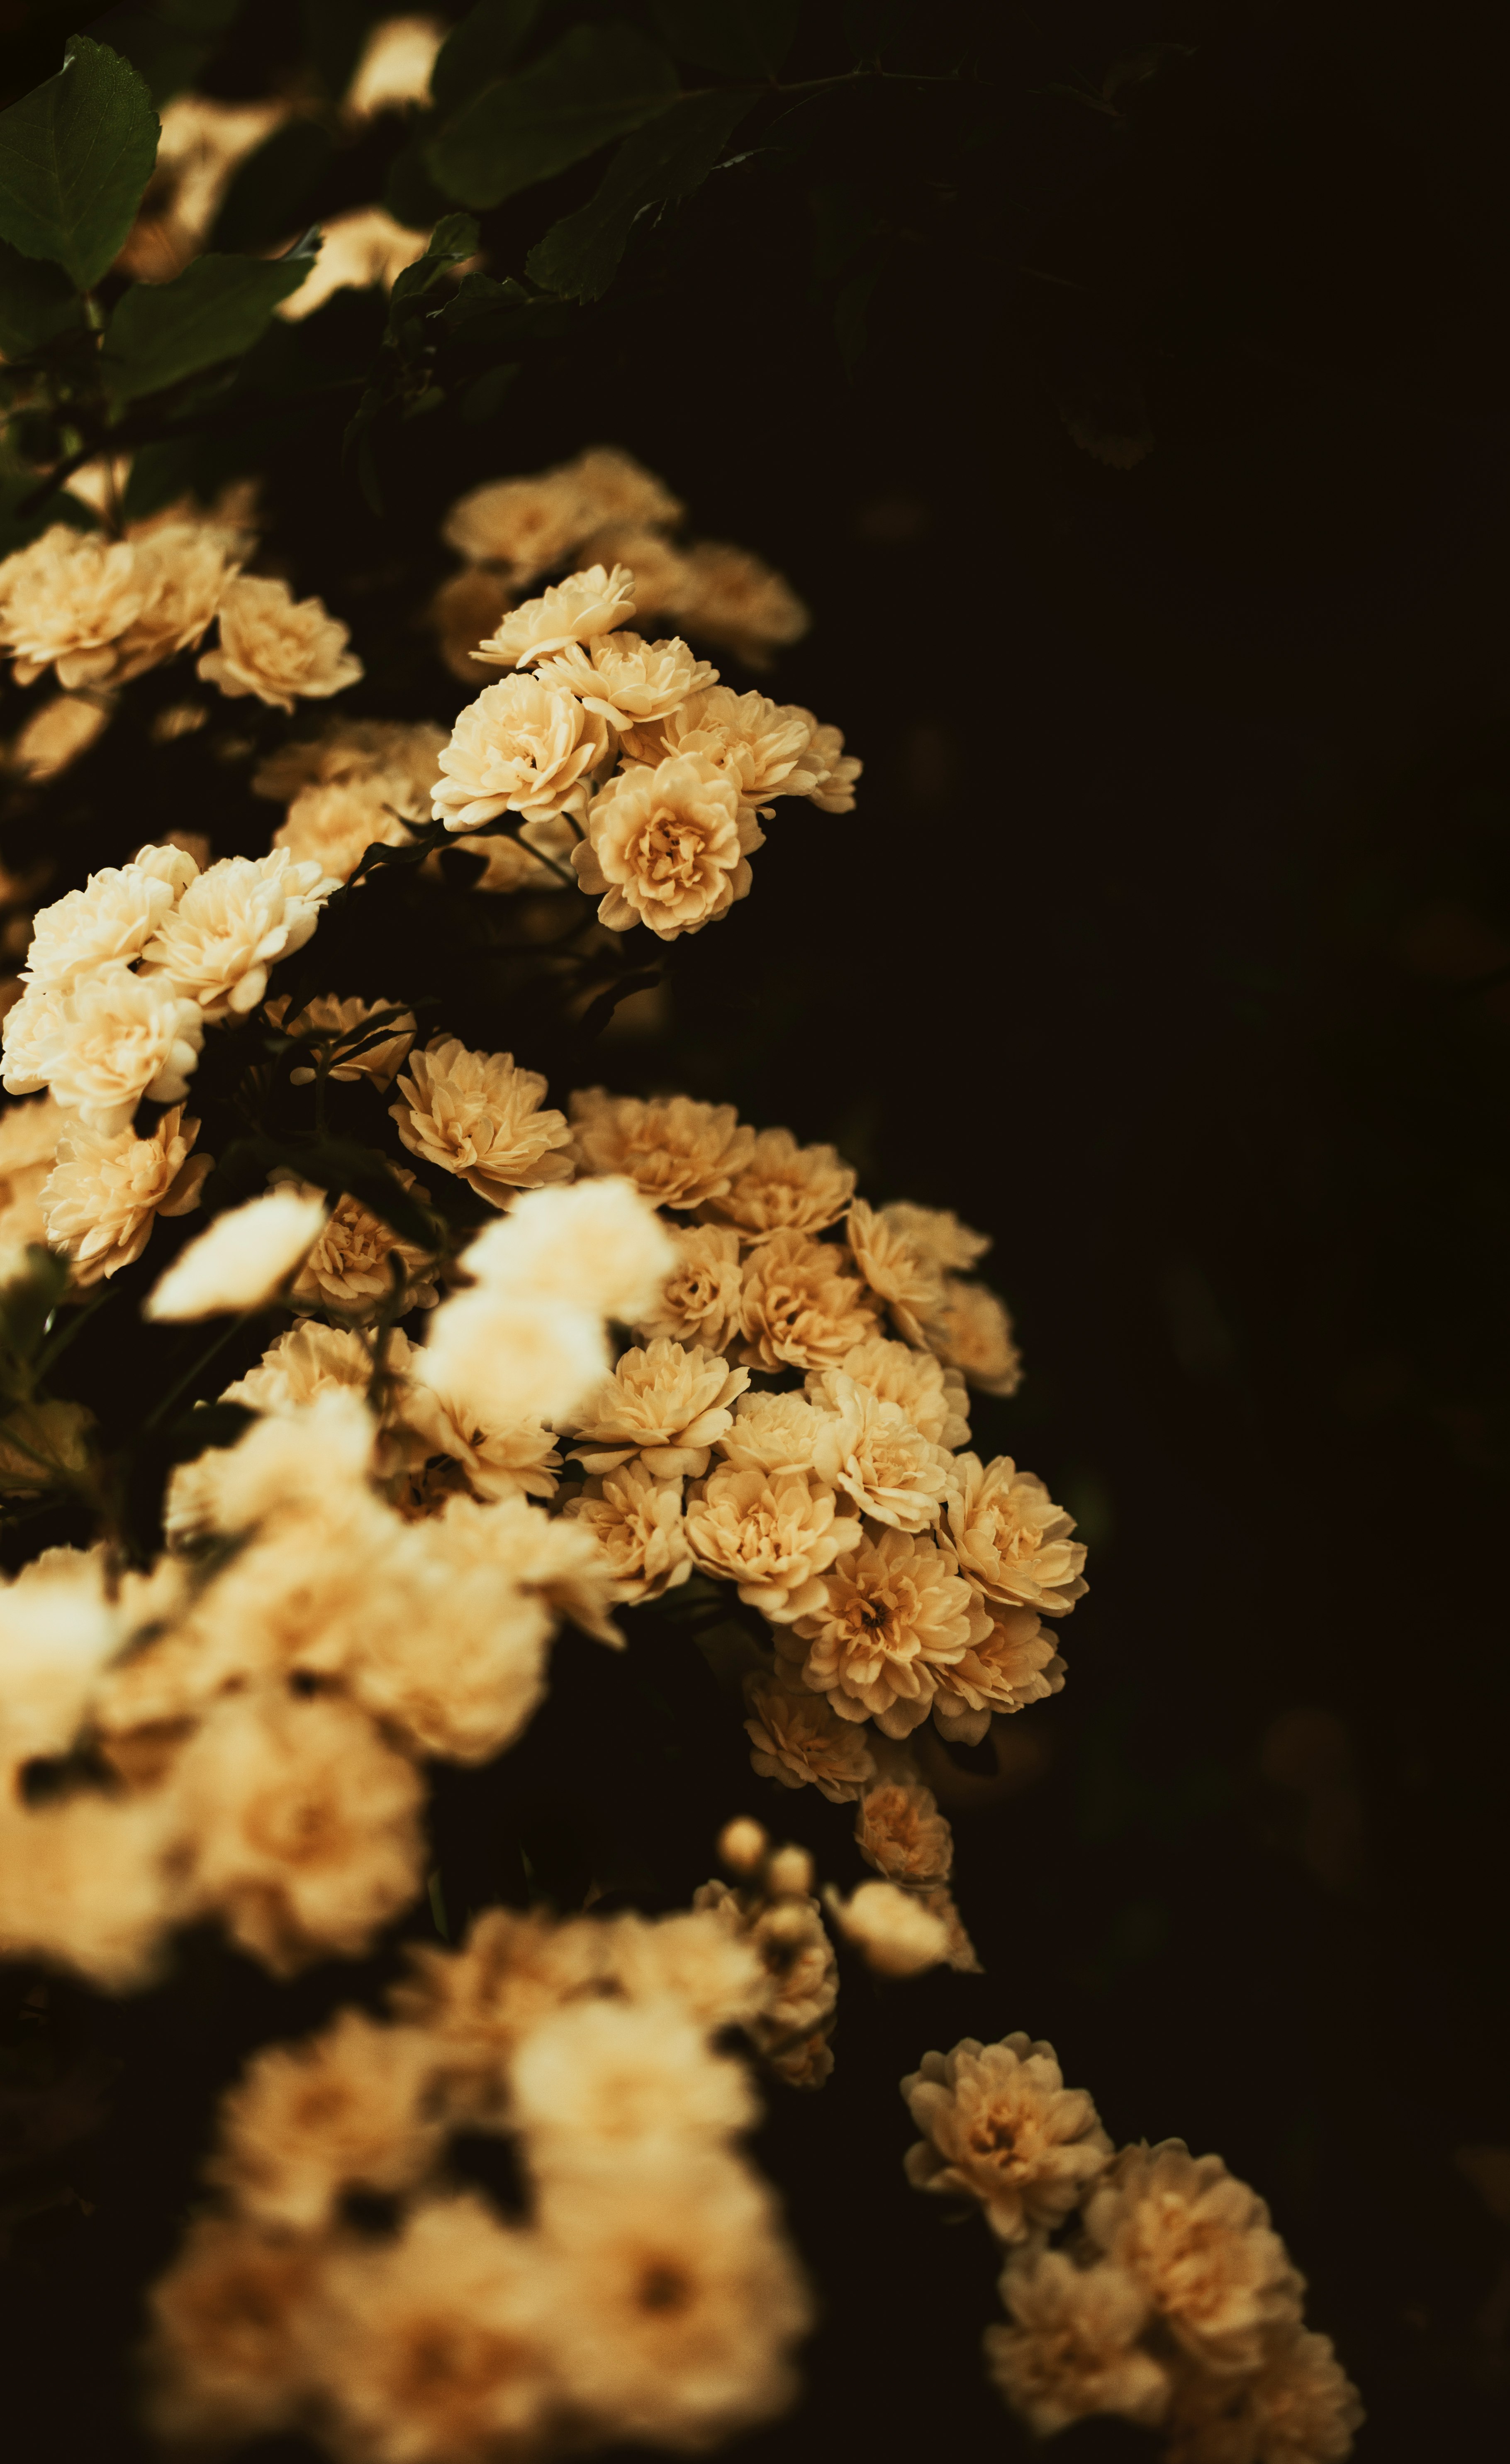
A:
x,y
478,1115
896,1933
343,2110
524,526
896,1268
109,921
1202,2246
359,250
664,1403
28,1135
118,1037
971,1330
825,774
350,1269
278,648
334,827
931,1397
228,2357
336,1029
1000,2125
307,1360
727,595
870,1450
796,1739
524,747
515,1459
772,1433
1073,2347
786,1188
752,742
1011,1538
938,1235
624,2075
896,1616
774,1535
902,1833
107,1188
399,754
1015,1665
232,924
395,66
577,609
1298,2407
700,1301
463,610
628,682
66,601
669,847
58,734
638,1523
243,1258
790,2031
678,1153
802,1310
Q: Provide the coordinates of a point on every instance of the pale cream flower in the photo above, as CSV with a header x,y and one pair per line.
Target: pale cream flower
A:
x,y
870,1450
796,1740
664,1403
350,1267
351,752
700,1302
1000,2125
669,847
276,646
309,1464
30,1033
677,2300
303,1827
233,924
896,1932
358,250
802,1310
599,1244
185,569
106,1190
755,743
937,1234
785,1188
1073,2348
1299,2408
627,681
242,1261
774,1535
309,1360
463,610
801,1990
772,1433
523,526
58,734
333,1027
57,1630
971,1330
826,771
931,1397
228,2355
109,921
456,1666
1202,2246
432,2347
343,2110
478,1115
478,2004
678,1153
115,1038
901,1832
577,609
896,1268
521,747
896,1616
613,487
659,569
516,1459
506,1358
1012,1540
637,1521
743,1844
395,66
626,2074
1015,1665
28,1135
334,827
66,601
730,595
691,1958
549,1559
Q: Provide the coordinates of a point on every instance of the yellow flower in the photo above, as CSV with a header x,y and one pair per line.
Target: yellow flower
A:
x,y
669,847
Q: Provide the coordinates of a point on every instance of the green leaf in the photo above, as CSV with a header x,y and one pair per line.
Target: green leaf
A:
x,y
741,37
169,42
597,83
409,194
214,310
267,197
479,49
669,158
37,303
74,157
455,238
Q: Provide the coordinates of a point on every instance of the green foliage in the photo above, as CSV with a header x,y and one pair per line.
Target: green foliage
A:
x,y
74,157
215,310
27,1303
479,49
596,83
666,160
266,198
169,40
745,38
37,303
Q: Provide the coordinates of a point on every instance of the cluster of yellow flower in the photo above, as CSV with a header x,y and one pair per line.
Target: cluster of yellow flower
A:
x,y
1174,2302
647,2291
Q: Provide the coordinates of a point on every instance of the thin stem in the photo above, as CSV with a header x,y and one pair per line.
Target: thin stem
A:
x,y
54,1350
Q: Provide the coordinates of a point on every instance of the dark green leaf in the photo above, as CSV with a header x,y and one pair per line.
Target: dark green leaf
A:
x,y
741,37
37,303
479,49
74,157
484,398
213,310
169,42
452,241
339,1167
266,198
409,193
596,84
669,158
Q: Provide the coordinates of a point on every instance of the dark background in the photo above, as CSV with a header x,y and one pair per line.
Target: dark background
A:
x,y
1164,944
